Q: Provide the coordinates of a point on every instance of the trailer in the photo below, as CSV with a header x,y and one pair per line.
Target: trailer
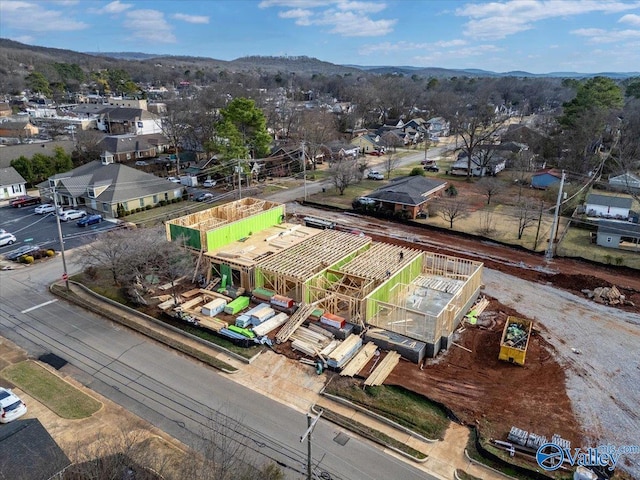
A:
x,y
515,340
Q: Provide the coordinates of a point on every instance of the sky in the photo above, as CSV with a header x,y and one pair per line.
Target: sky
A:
x,y
536,36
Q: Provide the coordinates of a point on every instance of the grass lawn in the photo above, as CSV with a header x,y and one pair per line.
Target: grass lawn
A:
x,y
402,406
576,243
155,216
61,397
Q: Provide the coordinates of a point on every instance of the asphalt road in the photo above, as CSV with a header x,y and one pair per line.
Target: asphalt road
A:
x,y
178,395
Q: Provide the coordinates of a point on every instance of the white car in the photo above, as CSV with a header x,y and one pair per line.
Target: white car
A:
x,y
209,183
72,215
375,175
141,163
11,407
173,179
7,238
45,208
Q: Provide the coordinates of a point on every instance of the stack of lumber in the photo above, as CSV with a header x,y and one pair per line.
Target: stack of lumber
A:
x,y
262,315
308,342
270,325
361,358
332,320
294,322
246,318
167,304
237,305
213,323
208,294
192,302
384,368
190,293
262,294
344,352
318,329
169,285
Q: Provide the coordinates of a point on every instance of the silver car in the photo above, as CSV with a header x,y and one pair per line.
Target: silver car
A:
x,y
11,407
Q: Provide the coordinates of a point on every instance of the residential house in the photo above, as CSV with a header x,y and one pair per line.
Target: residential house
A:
x,y
340,151
121,120
367,143
438,127
5,109
614,234
408,194
133,147
29,451
17,127
11,184
492,166
523,134
283,161
12,152
626,182
104,187
545,178
608,206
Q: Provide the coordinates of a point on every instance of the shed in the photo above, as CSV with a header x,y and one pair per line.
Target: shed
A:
x,y
627,182
622,235
608,206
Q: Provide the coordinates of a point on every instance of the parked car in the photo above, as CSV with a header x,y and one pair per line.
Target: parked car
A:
x,y
89,220
141,163
18,252
24,201
7,239
209,183
375,175
204,197
45,208
366,201
432,167
72,215
11,407
376,153
173,179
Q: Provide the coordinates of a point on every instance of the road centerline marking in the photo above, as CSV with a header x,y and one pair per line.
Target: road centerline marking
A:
x,y
39,306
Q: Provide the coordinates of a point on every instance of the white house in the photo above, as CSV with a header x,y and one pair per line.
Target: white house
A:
x,y
11,184
608,206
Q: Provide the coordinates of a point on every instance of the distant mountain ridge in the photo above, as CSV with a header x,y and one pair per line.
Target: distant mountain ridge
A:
x,y
14,52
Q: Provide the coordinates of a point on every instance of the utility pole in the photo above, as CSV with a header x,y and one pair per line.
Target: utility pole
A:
x,y
65,274
535,244
549,253
311,423
304,169
239,169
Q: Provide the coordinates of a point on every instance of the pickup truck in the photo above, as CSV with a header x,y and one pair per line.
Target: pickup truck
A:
x,y
25,201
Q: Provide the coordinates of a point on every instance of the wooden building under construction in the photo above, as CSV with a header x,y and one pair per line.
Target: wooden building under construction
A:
x,y
248,244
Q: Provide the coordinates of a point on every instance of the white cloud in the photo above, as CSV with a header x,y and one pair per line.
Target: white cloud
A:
x,y
342,17
631,19
149,25
498,20
28,39
115,7
386,48
598,35
191,18
32,17
450,43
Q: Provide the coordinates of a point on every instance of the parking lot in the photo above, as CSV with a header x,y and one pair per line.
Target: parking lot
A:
x,y
31,228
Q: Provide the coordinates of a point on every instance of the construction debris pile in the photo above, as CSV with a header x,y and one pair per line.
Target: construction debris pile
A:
x,y
607,296
516,335
533,440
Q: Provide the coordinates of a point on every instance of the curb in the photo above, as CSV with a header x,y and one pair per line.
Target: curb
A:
x,y
377,417
480,464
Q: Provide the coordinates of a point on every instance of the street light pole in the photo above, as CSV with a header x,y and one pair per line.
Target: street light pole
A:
x,y
65,274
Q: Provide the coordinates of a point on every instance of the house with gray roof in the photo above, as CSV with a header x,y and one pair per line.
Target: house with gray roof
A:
x,y
408,194
627,182
11,184
28,150
104,187
121,120
608,206
29,451
133,147
612,234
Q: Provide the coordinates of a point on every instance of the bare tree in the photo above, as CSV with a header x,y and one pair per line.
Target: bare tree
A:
x,y
476,125
391,162
527,215
490,187
176,127
344,172
88,145
110,251
451,209
487,222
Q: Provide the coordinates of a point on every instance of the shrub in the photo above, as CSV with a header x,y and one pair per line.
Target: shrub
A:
x,y
417,171
127,212
91,272
148,207
51,252
138,210
163,203
174,200
28,259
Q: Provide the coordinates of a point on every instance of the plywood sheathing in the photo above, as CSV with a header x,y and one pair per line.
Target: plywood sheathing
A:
x,y
358,362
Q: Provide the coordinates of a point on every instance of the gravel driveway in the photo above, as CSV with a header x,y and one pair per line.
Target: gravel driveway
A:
x,y
603,380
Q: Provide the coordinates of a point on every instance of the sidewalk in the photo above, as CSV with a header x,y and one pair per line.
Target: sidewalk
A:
x,y
298,386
